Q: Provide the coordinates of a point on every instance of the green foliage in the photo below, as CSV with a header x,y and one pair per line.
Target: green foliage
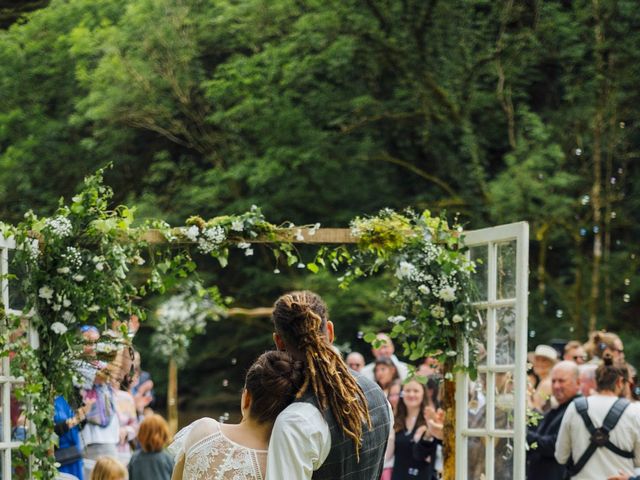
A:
x,y
324,111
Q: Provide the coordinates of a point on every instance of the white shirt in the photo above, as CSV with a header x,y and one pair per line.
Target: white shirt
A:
x,y
110,434
573,439
300,442
403,369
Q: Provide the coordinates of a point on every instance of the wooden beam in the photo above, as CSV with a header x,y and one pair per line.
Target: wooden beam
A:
x,y
250,312
293,235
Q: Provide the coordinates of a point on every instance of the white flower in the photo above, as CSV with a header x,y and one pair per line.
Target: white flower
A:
x,y
314,229
60,226
237,226
243,245
276,271
452,353
45,293
248,252
457,319
93,308
58,328
66,302
397,319
437,311
301,265
100,266
56,307
138,260
423,289
448,294
78,278
191,233
68,317
63,270
299,236
405,270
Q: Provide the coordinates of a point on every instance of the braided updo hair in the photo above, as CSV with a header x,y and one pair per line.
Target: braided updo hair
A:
x,y
300,319
273,381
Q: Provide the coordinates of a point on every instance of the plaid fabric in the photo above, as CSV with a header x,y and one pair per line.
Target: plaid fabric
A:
x,y
341,464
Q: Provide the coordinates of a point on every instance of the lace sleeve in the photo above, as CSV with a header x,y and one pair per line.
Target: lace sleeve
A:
x,y
190,435
177,447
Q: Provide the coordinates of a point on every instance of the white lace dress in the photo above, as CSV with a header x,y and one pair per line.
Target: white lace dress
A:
x,y
210,455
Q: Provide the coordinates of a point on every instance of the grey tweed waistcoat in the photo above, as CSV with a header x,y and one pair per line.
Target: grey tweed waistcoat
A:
x,y
341,463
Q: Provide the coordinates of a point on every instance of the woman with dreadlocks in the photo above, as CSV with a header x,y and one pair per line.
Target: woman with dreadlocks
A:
x,y
339,425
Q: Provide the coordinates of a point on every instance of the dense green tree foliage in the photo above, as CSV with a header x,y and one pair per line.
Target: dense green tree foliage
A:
x,y
323,110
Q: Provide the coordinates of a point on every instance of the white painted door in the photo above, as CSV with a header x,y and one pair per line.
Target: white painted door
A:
x,y
9,433
491,411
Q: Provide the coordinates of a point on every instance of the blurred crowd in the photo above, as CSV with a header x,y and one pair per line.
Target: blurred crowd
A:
x,y
109,430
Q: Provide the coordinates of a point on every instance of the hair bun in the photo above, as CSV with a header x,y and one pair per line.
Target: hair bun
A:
x,y
273,382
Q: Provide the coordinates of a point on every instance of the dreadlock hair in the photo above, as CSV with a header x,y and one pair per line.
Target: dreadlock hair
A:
x,y
300,319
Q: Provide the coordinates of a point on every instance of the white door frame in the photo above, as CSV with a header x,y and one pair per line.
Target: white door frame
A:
x,y
517,233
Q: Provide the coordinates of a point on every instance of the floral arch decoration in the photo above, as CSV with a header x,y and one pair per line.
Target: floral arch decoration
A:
x,y
76,268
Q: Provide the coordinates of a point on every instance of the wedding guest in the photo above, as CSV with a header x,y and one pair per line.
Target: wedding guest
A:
x,y
385,349
108,468
153,461
587,379
141,386
69,451
355,361
414,449
545,357
128,418
385,373
574,352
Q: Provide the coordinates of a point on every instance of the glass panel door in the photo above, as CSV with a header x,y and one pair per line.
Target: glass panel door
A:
x,y
491,410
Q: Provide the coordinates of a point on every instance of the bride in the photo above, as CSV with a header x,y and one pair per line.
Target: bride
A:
x,y
209,450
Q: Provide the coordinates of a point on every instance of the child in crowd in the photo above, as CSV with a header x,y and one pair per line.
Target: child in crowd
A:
x,y
108,468
152,461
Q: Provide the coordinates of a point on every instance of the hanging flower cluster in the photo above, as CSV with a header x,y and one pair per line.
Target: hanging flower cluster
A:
x,y
184,315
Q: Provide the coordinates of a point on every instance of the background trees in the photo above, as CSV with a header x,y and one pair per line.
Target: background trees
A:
x,y
323,110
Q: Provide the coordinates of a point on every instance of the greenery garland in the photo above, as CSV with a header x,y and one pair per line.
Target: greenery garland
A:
x,y
76,268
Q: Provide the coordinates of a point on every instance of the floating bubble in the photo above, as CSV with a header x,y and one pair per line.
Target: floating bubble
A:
x,y
585,200
578,151
583,232
620,170
225,383
633,256
544,302
622,124
360,335
571,329
532,333
613,215
226,415
541,176
234,361
613,180
626,298
550,247
627,281
559,313
618,242
596,229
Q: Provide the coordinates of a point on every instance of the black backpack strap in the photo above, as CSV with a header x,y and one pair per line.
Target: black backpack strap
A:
x,y
582,407
611,420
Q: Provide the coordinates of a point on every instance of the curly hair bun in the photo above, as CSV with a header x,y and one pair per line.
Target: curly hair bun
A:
x,y
273,381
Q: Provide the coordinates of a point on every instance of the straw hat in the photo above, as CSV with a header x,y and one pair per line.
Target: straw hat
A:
x,y
546,351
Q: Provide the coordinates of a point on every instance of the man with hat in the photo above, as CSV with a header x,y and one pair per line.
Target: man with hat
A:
x,y
545,357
